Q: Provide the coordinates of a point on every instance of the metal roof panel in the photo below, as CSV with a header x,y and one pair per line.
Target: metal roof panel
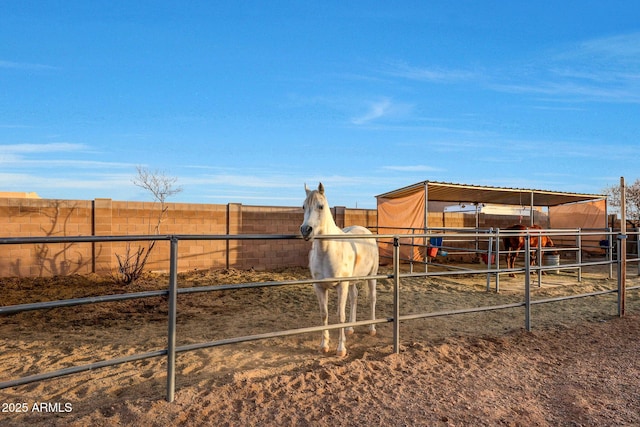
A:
x,y
465,193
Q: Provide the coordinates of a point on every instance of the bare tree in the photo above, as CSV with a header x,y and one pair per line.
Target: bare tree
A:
x,y
132,263
632,198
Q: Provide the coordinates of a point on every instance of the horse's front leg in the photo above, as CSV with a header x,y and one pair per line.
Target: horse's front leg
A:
x,y
323,295
353,304
343,291
542,263
534,261
372,304
511,262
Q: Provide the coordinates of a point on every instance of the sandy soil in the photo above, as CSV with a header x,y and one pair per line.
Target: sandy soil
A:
x,y
579,365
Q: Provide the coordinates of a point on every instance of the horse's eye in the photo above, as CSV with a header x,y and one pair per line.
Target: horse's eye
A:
x,y
320,207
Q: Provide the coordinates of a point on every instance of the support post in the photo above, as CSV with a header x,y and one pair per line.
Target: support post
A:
x,y
610,251
426,224
396,294
527,282
636,229
171,335
622,250
531,210
539,255
489,263
579,253
497,260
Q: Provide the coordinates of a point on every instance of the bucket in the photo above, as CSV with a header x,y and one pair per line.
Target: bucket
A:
x,y
435,241
552,260
432,251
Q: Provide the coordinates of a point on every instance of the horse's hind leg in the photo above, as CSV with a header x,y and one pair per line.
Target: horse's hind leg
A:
x,y
372,304
323,294
353,304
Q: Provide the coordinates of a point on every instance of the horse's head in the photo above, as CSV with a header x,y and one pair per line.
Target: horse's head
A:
x,y
315,211
549,244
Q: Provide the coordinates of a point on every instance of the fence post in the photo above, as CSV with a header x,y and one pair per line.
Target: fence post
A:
x,y
539,259
622,249
497,260
171,336
396,294
622,266
610,251
579,253
637,248
527,282
489,263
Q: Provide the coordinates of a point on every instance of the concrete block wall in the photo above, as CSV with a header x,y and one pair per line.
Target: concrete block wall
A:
x,y
269,254
365,217
141,218
21,217
37,217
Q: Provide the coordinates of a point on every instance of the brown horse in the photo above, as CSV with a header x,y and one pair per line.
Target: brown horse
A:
x,y
514,244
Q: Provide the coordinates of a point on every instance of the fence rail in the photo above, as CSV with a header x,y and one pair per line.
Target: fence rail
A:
x,y
171,293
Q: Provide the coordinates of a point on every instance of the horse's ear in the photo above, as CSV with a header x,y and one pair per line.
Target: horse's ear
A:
x,y
306,189
321,188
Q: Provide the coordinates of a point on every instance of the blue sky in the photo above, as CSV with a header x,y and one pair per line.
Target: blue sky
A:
x,y
246,101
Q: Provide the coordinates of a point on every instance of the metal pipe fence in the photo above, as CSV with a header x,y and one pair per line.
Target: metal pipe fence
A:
x,y
173,291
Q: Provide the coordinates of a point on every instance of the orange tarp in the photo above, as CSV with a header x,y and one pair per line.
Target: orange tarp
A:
x,y
584,215
408,212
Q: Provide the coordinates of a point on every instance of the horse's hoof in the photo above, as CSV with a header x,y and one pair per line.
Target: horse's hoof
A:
x,y
341,353
372,332
324,350
512,275
349,331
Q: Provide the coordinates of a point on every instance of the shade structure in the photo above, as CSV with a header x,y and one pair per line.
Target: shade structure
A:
x,y
406,208
458,193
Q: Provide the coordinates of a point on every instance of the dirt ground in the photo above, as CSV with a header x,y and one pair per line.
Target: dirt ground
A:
x,y
579,365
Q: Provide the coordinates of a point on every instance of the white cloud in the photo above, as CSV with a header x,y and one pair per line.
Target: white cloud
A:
x,y
413,168
619,48
605,70
17,161
267,179
25,66
375,111
29,182
575,90
227,196
18,156
42,148
425,74
13,126
9,158
242,180
383,109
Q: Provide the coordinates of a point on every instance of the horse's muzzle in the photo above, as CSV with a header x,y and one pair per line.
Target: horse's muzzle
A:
x,y
306,230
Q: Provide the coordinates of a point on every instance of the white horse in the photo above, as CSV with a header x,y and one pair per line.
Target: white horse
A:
x,y
337,258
